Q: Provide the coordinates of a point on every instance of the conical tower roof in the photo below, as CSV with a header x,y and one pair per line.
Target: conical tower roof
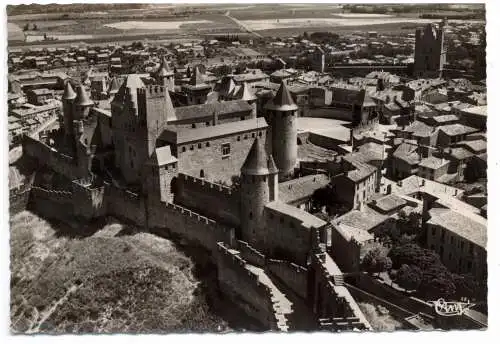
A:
x,y
82,97
227,86
69,93
282,101
196,77
258,163
245,93
114,85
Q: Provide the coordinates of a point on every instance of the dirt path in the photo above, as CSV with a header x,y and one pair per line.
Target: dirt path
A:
x,y
48,313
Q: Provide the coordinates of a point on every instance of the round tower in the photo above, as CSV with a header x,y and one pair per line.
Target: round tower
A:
x,y
259,186
282,117
246,94
82,103
68,104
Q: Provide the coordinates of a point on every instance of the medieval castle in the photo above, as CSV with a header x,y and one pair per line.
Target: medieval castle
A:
x,y
168,169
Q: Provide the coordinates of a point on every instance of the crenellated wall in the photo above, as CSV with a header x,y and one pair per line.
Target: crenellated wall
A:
x,y
250,254
45,155
52,204
125,204
292,275
168,217
244,288
89,199
197,193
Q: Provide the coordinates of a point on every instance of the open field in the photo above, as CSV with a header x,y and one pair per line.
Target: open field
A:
x,y
111,278
198,21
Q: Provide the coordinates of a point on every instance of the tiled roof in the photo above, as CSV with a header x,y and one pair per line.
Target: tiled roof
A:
x,y
308,220
209,109
433,163
388,203
462,225
181,136
408,153
460,153
456,129
363,220
300,188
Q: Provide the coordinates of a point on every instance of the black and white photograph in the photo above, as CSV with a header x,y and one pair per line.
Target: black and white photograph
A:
x,y
180,168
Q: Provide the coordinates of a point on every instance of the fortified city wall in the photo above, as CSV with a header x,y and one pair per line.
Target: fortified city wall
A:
x,y
213,200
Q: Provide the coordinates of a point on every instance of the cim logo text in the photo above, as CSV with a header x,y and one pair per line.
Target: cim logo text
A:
x,y
449,309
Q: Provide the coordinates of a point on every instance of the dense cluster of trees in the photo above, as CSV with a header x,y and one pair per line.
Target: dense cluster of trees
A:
x,y
422,270
376,261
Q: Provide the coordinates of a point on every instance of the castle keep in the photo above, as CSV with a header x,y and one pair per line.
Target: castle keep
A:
x,y
208,172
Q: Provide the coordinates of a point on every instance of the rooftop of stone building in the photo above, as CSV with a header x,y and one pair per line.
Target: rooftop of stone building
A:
x,y
361,171
33,109
433,162
300,188
445,118
456,129
419,129
476,110
359,223
210,109
311,152
388,203
181,136
460,153
413,184
475,146
307,220
408,153
350,232
460,223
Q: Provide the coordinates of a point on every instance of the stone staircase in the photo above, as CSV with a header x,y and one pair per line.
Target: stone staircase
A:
x,y
281,304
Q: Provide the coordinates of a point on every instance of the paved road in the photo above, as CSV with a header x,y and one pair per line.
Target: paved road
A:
x,y
241,25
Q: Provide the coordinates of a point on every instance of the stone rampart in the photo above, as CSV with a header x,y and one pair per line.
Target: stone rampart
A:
x,y
244,287
292,275
48,156
210,199
250,254
89,199
189,225
125,204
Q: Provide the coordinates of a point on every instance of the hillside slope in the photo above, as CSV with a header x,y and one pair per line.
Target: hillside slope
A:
x,y
116,280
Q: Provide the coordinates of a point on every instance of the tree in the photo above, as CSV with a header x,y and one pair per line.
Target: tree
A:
x,y
383,264
35,28
26,27
375,261
466,286
413,254
409,277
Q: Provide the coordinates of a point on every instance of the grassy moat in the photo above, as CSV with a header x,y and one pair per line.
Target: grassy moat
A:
x,y
115,280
